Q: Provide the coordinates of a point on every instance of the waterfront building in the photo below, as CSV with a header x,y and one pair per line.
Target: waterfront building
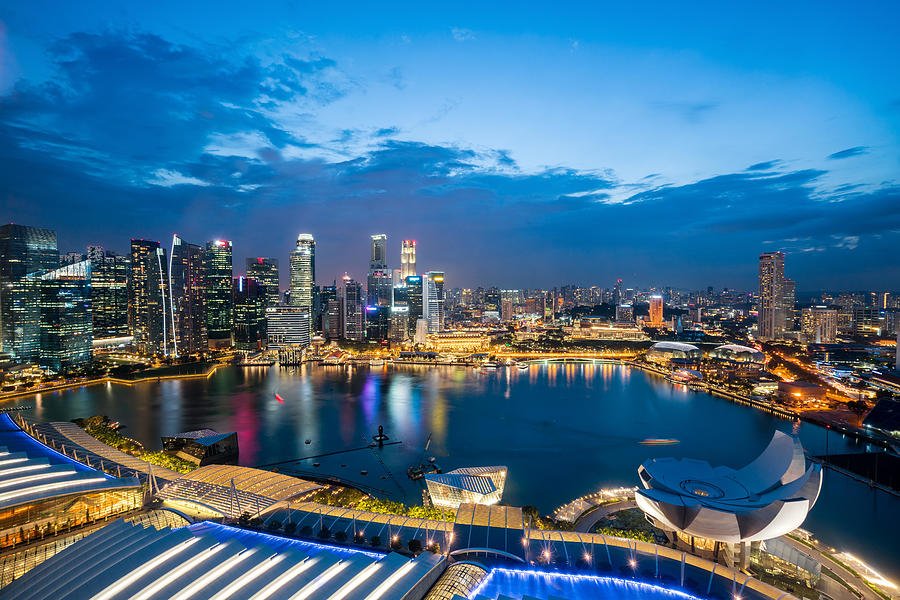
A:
x,y
265,271
66,330
818,324
250,303
433,300
287,326
770,307
414,287
768,498
656,311
399,326
109,293
471,485
459,341
218,302
353,308
421,332
23,250
378,322
625,313
737,361
598,328
303,272
326,295
148,298
202,447
407,259
186,298
334,319
673,353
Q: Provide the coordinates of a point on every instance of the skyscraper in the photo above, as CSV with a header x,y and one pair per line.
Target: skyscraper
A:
x,y
109,292
433,300
327,295
380,279
656,311
148,298
788,302
352,300
265,271
408,259
770,307
414,301
218,302
819,324
378,258
303,272
23,250
186,298
250,299
65,316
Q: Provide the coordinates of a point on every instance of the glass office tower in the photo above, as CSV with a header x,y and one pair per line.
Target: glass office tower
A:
x,y
186,298
218,303
303,272
66,330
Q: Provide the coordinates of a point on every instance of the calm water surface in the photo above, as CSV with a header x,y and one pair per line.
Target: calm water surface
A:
x,y
563,431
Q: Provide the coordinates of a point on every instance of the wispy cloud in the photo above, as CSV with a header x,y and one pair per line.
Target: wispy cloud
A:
x,y
849,153
461,34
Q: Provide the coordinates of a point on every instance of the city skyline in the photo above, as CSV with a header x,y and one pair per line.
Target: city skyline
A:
x,y
622,150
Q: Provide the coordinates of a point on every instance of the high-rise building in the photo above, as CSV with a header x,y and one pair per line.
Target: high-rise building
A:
x,y
265,271
506,309
770,308
408,259
433,300
334,319
819,324
250,303
625,313
218,301
378,256
303,272
414,288
399,329
148,298
353,306
23,250
327,294
65,316
287,326
109,292
788,303
656,311
187,298
378,322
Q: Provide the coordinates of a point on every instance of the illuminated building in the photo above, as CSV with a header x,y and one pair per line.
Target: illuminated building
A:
x,y
64,300
334,319
380,279
491,302
327,295
303,272
287,326
788,302
186,298
378,322
656,311
770,307
673,353
625,313
265,271
399,326
148,298
598,328
472,485
414,286
737,360
766,499
202,447
867,321
819,324
459,341
800,392
433,300
407,259
506,309
23,250
218,303
353,308
378,256
109,293
250,300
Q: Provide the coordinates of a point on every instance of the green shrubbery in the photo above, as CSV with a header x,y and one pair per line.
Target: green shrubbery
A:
x,y
99,427
351,498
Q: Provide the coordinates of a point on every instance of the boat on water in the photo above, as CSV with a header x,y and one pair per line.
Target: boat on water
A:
x,y
489,365
279,398
659,441
376,362
522,366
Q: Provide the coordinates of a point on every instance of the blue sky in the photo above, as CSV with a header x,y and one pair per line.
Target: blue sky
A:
x,y
522,145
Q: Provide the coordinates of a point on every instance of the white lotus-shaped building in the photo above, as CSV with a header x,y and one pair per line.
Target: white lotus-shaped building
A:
x,y
768,498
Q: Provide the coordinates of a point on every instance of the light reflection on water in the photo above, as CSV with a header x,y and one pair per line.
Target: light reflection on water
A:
x,y
563,430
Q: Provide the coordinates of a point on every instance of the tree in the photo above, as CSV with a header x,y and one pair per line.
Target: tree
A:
x,y
414,546
340,536
290,528
858,408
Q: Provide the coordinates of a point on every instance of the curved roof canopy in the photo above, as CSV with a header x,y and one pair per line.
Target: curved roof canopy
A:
x,y
738,353
768,498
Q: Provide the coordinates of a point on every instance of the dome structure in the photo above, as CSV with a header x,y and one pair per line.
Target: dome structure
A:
x,y
738,353
678,352
768,498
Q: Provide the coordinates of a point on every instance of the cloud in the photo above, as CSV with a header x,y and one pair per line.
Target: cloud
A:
x,y
764,166
849,153
461,34
850,242
692,112
168,178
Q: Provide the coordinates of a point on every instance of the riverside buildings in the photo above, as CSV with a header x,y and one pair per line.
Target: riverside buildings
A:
x,y
265,271
110,273
186,298
147,298
218,302
776,297
303,272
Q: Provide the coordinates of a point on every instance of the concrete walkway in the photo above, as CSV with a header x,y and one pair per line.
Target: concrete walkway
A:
x,y
590,518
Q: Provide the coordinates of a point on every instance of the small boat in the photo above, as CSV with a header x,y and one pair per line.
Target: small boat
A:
x,y
363,472
376,362
489,365
658,441
315,464
522,366
308,442
279,398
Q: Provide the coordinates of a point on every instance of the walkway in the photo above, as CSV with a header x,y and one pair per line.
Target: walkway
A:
x,y
586,521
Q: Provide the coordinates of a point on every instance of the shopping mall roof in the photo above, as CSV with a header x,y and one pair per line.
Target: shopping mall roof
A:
x,y
214,561
232,490
471,483
32,472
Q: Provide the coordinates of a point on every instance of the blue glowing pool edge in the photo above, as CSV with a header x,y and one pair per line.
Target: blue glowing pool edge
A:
x,y
637,586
